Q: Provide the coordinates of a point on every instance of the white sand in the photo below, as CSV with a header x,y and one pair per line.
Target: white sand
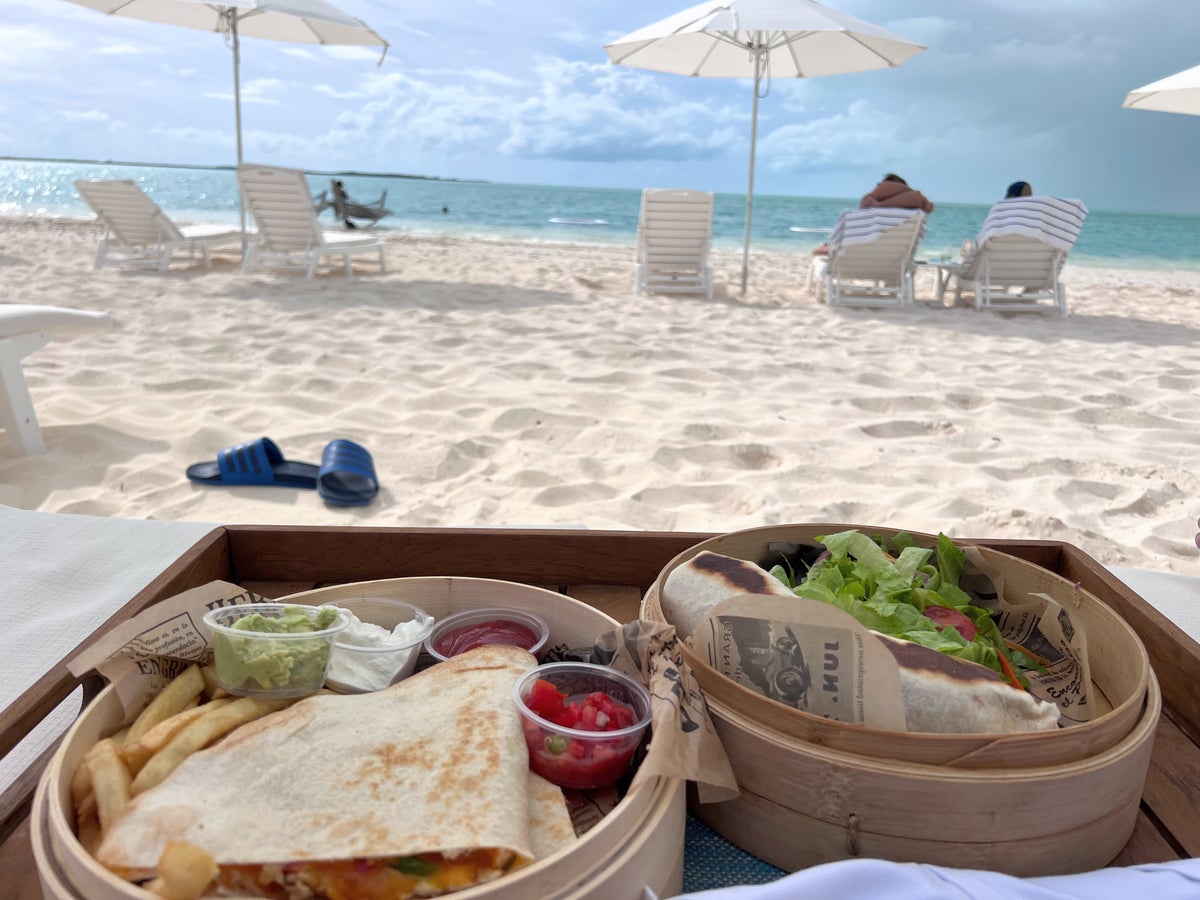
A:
x,y
501,383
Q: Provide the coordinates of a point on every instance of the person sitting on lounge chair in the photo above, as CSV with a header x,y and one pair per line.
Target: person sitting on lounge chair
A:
x,y
1019,189
892,191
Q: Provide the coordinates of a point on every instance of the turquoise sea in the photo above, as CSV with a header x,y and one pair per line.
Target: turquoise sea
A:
x,y
1110,238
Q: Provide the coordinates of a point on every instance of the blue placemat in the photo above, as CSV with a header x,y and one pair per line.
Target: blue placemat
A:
x,y
710,861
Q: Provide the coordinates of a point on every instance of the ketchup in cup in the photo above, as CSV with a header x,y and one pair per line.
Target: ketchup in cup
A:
x,y
493,631
467,630
582,722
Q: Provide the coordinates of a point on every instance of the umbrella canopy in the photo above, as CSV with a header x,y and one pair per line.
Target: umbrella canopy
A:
x,y
760,39
1178,93
296,21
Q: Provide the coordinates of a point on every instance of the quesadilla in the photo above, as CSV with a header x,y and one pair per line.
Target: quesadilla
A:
x,y
416,790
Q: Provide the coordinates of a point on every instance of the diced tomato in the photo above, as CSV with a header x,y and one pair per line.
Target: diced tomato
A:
x,y
623,716
945,617
545,699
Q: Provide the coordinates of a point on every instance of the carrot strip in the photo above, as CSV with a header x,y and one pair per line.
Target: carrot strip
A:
x,y
1013,645
1008,671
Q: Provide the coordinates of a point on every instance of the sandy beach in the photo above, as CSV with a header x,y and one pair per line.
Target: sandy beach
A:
x,y
503,383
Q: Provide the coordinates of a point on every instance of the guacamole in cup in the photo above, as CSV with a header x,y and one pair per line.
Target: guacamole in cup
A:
x,y
273,649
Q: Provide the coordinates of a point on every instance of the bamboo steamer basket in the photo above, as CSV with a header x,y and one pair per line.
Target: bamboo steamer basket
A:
x,y
1120,670
651,817
814,790
802,805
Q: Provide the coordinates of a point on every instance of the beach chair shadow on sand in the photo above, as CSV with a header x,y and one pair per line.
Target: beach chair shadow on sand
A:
x,y
673,240
24,329
870,261
135,231
287,234
1016,261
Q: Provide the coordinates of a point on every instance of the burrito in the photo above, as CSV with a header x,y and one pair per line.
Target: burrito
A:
x,y
693,589
416,790
946,695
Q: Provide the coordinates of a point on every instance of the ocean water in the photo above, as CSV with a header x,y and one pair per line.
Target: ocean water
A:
x,y
1109,238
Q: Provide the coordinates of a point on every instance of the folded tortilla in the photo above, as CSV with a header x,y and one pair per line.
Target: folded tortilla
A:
x,y
693,589
418,789
946,695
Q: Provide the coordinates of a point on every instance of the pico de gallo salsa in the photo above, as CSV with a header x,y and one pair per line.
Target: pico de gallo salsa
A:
x,y
579,760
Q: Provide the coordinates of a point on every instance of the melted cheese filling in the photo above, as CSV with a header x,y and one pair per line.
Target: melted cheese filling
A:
x,y
371,879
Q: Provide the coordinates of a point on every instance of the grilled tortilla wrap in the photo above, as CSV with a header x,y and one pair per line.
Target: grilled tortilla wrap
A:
x,y
945,695
417,789
693,589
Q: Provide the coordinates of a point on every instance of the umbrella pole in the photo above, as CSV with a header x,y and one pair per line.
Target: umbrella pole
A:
x,y
237,114
758,64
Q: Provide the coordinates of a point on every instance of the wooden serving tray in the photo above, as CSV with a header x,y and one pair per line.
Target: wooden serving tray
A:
x,y
610,570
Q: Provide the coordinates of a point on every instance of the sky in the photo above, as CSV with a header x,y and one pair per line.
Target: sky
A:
x,y
522,91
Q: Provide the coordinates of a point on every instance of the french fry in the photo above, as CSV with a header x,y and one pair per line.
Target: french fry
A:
x,y
89,832
136,753
81,782
86,808
110,781
211,685
199,734
174,697
184,872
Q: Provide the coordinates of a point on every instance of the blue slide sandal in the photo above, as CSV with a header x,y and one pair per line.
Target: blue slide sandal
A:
x,y
257,462
347,476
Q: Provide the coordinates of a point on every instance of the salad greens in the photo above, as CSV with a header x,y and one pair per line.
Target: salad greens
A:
x,y
888,587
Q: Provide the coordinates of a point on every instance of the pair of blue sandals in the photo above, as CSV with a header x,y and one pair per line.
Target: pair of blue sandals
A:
x,y
346,476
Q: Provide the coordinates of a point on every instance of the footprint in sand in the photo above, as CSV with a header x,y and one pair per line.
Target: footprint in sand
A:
x,y
755,457
572,494
907,428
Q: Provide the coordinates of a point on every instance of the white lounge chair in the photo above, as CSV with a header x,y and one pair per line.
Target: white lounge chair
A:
x,y
1016,261
870,260
288,234
24,329
135,231
674,234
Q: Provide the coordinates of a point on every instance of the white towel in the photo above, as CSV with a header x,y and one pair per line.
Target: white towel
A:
x,y
61,578
1052,220
861,226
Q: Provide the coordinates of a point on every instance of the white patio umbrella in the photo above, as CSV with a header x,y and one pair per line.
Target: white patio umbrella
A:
x,y
1178,93
760,39
295,21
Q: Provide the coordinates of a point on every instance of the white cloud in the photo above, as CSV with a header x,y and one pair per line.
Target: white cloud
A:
x,y
573,34
86,115
487,76
125,50
300,53
22,45
354,54
336,94
262,91
930,31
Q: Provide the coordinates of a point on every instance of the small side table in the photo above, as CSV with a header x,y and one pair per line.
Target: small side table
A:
x,y
942,269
